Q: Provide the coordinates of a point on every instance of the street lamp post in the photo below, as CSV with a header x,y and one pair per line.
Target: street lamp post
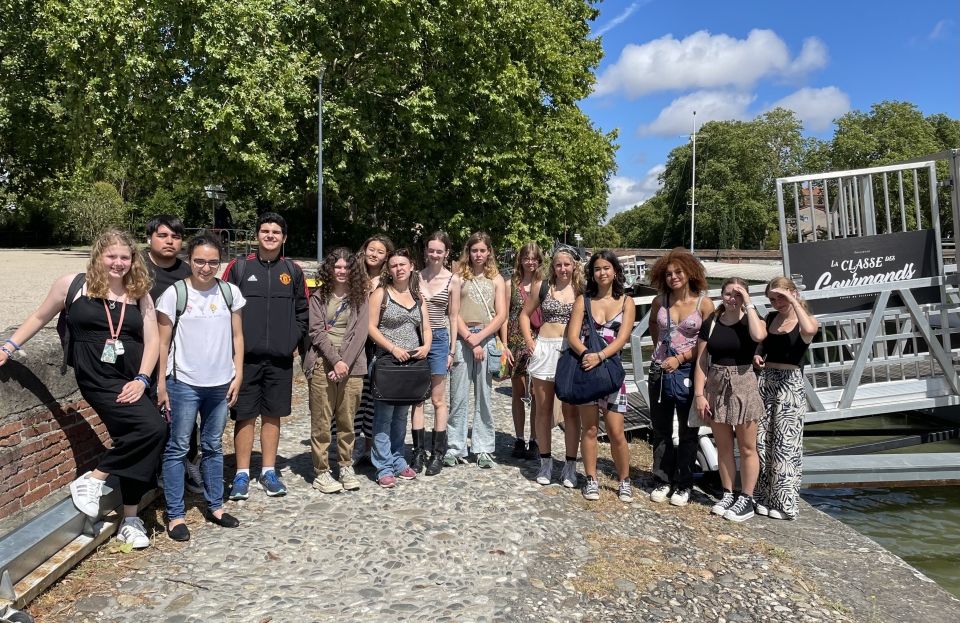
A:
x,y
693,184
320,167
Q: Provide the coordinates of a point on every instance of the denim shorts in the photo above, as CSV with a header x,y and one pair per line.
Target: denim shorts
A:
x,y
439,349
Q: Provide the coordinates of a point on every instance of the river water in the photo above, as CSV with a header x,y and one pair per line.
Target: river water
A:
x,y
920,524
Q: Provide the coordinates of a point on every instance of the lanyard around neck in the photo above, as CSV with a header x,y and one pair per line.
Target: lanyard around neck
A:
x,y
123,310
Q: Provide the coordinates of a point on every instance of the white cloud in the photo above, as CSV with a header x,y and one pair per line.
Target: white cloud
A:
x,y
705,61
677,117
817,108
626,192
940,30
619,19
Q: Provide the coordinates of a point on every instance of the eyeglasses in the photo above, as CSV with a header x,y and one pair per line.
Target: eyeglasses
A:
x,y
201,263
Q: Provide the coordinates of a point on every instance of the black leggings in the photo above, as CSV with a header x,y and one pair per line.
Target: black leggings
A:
x,y
132,491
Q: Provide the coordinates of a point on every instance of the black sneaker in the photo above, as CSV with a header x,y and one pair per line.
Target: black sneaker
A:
x,y
519,449
741,510
533,451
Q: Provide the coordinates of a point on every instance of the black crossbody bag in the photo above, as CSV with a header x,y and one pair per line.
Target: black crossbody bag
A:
x,y
400,382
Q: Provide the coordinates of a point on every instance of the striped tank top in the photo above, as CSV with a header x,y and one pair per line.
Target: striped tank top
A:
x,y
437,305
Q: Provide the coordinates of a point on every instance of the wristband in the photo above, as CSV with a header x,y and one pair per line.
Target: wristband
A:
x,y
14,344
7,350
143,378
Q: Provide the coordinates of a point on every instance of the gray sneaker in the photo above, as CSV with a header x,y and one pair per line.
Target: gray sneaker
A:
x,y
546,471
591,490
568,476
348,478
325,483
625,491
485,461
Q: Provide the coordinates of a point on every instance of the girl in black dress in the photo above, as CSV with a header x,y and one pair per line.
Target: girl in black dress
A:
x,y
114,346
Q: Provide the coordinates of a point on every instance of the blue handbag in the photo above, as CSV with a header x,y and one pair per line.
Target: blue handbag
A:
x,y
676,385
577,386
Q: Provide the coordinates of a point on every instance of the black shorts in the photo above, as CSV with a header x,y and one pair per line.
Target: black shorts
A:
x,y
266,389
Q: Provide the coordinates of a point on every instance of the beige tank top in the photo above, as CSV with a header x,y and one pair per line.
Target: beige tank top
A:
x,y
476,300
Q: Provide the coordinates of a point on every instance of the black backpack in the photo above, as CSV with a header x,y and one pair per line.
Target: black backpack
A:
x,y
63,328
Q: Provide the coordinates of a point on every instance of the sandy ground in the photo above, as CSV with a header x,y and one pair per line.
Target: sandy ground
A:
x,y
27,276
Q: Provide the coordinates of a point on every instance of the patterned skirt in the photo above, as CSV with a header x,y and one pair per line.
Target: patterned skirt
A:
x,y
733,395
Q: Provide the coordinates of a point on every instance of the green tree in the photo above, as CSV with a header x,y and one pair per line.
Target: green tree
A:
x,y
90,209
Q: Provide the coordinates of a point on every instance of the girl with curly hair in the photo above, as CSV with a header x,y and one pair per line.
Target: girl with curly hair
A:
x,y
564,285
336,364
113,349
441,291
675,320
526,270
482,311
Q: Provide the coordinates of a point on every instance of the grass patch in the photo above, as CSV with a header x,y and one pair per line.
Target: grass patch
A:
x,y
622,558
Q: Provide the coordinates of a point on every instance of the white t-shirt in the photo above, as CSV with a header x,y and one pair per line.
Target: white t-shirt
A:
x,y
203,344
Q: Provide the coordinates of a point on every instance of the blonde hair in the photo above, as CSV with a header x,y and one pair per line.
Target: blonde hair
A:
x,y
136,282
577,280
490,268
784,283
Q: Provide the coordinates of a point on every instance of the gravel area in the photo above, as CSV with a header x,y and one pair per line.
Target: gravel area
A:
x,y
30,273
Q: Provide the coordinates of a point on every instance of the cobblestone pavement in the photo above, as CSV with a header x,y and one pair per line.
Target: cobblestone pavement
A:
x,y
466,545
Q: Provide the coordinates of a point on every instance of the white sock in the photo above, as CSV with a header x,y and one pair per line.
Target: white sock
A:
x,y
243,471
265,471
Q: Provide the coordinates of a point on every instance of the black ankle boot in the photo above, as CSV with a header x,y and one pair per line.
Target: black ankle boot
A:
x,y
419,450
439,450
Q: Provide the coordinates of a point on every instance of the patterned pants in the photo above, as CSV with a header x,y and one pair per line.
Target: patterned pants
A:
x,y
780,439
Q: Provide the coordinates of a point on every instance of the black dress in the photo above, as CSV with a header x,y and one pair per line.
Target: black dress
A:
x,y
137,430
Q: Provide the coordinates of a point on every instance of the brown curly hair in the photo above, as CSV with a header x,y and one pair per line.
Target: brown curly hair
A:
x,y
357,282
691,267
137,282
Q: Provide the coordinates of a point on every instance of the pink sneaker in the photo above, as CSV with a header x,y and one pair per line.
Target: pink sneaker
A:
x,y
407,473
387,482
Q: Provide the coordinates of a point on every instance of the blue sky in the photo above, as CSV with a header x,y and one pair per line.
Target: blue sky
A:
x,y
734,60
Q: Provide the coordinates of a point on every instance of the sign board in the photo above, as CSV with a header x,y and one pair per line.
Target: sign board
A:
x,y
864,261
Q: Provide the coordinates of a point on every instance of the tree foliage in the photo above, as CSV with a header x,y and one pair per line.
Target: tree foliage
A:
x,y
738,163
459,114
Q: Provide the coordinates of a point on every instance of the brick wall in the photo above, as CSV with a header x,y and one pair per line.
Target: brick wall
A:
x,y
48,434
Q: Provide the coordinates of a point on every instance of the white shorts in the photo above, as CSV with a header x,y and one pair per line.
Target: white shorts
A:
x,y
546,354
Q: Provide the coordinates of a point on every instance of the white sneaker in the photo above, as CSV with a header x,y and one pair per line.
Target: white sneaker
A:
x,y
348,478
546,471
133,531
778,514
568,477
680,497
194,479
86,491
625,491
762,510
325,483
660,494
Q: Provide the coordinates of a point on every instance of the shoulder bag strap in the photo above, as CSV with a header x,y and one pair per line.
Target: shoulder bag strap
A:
x,y
480,294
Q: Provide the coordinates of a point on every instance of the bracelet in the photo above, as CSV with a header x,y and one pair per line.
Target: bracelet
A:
x,y
7,350
143,378
698,395
601,355
14,344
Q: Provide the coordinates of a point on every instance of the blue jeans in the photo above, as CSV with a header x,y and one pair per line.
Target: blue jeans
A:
x,y
467,371
389,430
185,401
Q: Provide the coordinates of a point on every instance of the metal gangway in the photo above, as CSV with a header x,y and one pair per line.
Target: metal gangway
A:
x,y
897,353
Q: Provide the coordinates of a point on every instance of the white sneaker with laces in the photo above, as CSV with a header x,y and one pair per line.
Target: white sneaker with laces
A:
x,y
625,491
568,477
660,494
591,490
133,531
778,514
546,471
348,478
680,497
85,492
325,483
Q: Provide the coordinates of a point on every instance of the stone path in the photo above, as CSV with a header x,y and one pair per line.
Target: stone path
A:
x,y
472,545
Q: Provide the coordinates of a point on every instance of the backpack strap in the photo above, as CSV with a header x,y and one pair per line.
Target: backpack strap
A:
x,y
544,288
181,289
226,292
63,328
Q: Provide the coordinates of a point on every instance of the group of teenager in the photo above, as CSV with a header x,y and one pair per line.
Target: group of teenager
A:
x,y
726,367
156,341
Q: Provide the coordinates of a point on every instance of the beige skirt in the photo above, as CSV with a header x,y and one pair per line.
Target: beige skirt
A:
x,y
733,395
